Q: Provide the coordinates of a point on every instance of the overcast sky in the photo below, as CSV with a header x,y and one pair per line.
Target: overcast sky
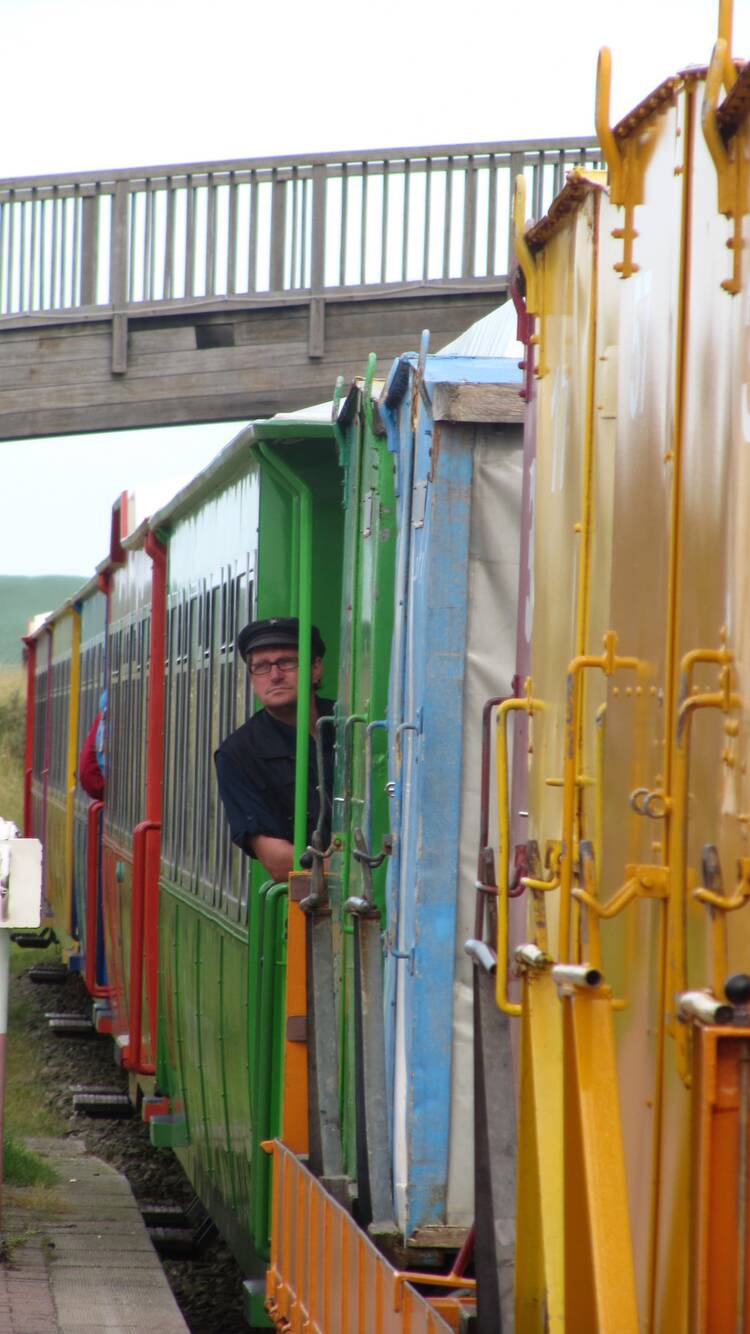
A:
x,y
91,84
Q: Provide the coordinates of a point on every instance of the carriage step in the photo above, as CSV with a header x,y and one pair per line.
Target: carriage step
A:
x,y
49,973
70,1026
103,1103
33,940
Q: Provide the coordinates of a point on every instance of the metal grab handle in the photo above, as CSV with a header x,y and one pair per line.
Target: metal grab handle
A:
x,y
529,706
349,726
364,906
362,837
486,881
321,767
379,724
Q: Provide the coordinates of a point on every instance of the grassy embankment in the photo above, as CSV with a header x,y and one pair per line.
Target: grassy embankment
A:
x,y
25,1113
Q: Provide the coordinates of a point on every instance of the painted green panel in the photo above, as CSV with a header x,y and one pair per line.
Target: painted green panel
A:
x,y
234,1071
366,632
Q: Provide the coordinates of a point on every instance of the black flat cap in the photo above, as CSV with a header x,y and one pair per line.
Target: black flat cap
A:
x,y
278,632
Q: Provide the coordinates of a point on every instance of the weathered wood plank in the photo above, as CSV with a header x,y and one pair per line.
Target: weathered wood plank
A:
x,y
59,380
477,403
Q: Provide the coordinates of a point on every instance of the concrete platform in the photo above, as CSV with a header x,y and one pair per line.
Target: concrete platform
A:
x,y
89,1270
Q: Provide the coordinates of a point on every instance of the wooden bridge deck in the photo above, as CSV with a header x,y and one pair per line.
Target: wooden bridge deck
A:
x,y
217,291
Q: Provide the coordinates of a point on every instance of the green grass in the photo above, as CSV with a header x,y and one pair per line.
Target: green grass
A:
x,y
12,725
22,1167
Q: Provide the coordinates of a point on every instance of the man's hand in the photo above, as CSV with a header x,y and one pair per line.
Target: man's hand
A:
x,y
274,854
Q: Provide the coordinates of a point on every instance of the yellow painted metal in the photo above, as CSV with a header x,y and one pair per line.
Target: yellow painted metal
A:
x,y
626,159
532,270
599,1276
540,1222
669,437
729,160
608,662
72,758
326,1277
528,705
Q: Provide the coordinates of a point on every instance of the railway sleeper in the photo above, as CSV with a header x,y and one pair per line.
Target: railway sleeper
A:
x,y
109,1104
183,1243
70,1025
49,974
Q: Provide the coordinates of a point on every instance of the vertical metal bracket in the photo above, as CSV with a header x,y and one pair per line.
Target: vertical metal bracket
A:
x,y
533,273
626,161
728,157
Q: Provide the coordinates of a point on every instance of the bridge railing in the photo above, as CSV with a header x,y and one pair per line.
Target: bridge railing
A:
x,y
268,229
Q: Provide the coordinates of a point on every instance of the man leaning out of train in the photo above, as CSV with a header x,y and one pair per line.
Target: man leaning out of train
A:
x,y
255,766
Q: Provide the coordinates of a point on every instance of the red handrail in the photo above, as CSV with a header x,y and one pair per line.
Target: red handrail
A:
x,y
28,757
93,822
134,1057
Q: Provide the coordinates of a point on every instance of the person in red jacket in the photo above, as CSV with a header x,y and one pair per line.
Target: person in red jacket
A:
x,y
91,758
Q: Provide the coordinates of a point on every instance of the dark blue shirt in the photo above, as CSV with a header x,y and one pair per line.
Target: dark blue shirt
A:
x,y
255,769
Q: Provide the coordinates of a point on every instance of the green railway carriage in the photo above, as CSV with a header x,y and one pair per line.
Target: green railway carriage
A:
x,y
238,547
361,807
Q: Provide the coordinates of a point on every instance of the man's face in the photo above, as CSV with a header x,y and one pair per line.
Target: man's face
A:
x,y
275,676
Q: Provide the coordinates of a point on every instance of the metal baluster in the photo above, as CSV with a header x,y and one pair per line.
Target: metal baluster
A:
x,y
448,217
61,209
294,189
189,234
34,258
305,186
405,226
211,236
427,218
252,259
492,217
2,267
278,231
232,237
344,223
384,224
75,291
470,219
169,241
11,248
131,248
363,229
22,257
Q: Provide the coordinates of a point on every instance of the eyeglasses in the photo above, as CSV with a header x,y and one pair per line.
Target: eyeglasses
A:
x,y
283,664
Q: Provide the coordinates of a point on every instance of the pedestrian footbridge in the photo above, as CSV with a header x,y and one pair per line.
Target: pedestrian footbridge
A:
x,y
225,290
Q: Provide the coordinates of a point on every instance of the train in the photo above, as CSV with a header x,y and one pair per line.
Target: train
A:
x,y
482,1062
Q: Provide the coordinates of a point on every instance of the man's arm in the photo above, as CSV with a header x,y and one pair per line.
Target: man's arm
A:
x,y
248,817
274,854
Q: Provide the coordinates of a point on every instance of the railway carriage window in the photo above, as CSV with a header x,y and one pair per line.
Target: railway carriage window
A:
x,y
40,716
92,663
205,695
60,708
115,813
168,813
